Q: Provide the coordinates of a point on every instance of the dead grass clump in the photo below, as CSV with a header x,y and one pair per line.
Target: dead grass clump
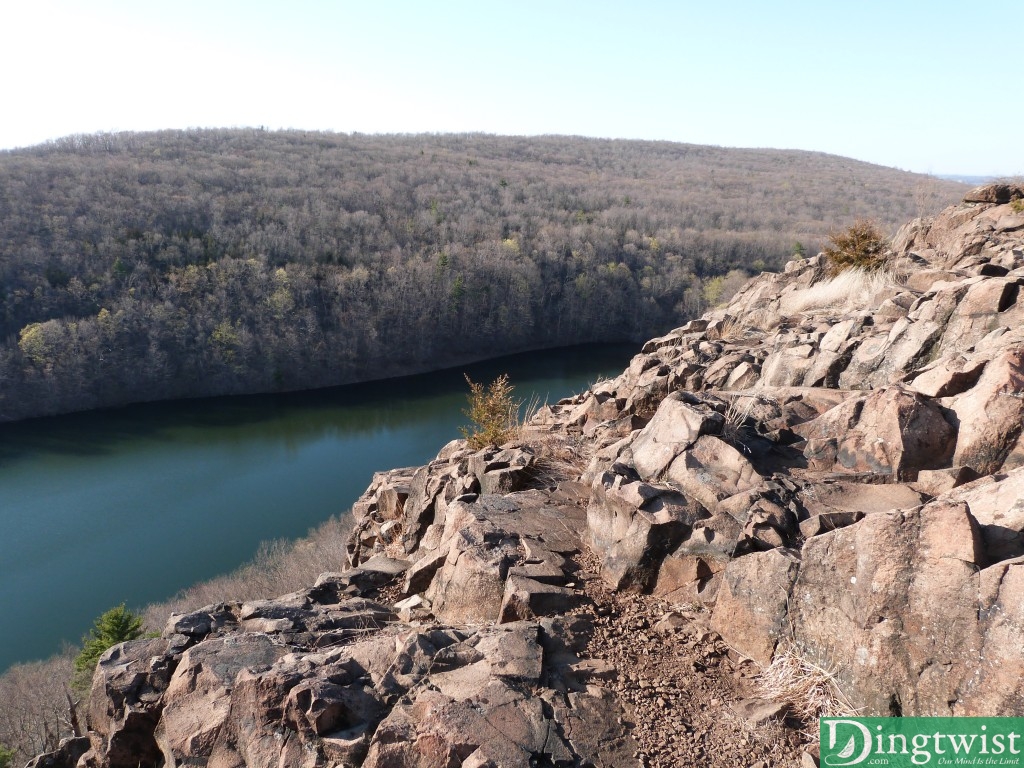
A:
x,y
743,415
848,291
559,456
810,690
734,429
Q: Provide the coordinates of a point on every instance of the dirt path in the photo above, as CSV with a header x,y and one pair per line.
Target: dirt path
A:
x,y
686,689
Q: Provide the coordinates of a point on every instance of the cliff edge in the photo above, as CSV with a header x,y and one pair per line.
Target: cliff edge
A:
x,y
828,470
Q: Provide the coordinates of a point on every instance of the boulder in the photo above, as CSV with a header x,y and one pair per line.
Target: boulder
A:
x,y
125,703
992,681
470,585
508,730
936,482
689,579
891,432
283,715
482,541
502,470
196,702
631,526
527,598
828,521
676,425
995,193
69,751
835,351
997,503
839,496
788,366
991,413
977,312
753,602
365,580
891,602
189,628
711,470
949,375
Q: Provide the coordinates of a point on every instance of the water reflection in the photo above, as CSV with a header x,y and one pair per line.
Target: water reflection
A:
x,y
136,503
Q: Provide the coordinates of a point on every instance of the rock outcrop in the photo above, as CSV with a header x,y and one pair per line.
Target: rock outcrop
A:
x,y
833,473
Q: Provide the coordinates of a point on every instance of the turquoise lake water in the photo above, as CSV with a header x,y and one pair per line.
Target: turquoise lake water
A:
x,y
134,504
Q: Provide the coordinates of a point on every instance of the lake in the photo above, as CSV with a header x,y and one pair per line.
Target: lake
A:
x,y
134,504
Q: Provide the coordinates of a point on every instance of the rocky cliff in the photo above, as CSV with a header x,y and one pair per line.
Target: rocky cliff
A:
x,y
827,469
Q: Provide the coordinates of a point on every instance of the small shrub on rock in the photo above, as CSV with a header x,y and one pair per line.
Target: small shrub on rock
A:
x,y
493,411
861,245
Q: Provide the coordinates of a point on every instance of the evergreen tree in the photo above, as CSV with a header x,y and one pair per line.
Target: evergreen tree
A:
x,y
115,626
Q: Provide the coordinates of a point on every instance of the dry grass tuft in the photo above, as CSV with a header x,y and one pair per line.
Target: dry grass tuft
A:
x,y
850,290
560,456
735,426
742,417
810,690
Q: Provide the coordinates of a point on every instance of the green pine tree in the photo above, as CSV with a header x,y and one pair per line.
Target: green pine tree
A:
x,y
115,626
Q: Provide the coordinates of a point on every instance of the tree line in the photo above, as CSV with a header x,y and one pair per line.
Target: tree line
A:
x,y
144,266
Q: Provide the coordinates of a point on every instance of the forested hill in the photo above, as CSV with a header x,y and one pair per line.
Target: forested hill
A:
x,y
145,266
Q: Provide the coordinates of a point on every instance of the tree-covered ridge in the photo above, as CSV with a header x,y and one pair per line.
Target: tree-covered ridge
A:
x,y
160,265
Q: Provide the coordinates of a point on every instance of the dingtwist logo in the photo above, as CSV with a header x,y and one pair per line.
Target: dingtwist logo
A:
x,y
859,743
910,742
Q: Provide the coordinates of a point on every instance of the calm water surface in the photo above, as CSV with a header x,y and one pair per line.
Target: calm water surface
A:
x,y
135,504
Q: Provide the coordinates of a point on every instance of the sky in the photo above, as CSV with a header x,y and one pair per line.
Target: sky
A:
x,y
931,86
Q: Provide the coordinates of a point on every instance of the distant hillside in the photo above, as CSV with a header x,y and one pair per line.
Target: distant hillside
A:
x,y
174,264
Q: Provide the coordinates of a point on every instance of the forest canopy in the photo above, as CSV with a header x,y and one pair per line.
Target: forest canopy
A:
x,y
144,266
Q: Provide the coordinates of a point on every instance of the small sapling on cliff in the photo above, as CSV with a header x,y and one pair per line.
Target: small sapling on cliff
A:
x,y
493,411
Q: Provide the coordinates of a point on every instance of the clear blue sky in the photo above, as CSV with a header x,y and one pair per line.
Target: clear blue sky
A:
x,y
926,86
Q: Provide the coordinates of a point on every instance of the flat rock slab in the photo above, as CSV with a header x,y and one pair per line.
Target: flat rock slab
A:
x,y
840,496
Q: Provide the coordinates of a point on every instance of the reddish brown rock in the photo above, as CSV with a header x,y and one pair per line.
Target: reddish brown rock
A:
x,y
711,470
685,579
753,602
196,702
890,432
991,414
125,703
997,503
633,526
675,427
950,375
995,193
891,602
